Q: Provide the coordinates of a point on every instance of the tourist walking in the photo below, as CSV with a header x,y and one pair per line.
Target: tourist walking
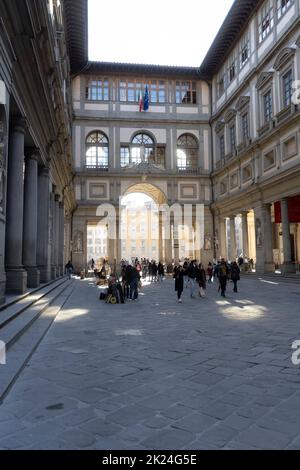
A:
x,y
161,272
178,276
201,279
235,275
210,272
69,269
222,273
192,272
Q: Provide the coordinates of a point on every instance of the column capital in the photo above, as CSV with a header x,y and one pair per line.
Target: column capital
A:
x,y
32,153
19,124
44,170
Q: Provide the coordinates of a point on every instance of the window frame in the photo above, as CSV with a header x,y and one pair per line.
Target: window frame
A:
x,y
287,71
266,21
283,9
182,89
101,145
190,153
102,92
267,117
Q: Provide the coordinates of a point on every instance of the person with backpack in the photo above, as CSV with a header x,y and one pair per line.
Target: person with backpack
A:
x,y
235,275
222,274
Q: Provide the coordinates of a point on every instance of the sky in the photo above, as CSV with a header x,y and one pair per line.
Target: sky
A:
x,y
162,32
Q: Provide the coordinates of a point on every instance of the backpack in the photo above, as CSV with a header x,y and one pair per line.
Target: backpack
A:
x,y
223,270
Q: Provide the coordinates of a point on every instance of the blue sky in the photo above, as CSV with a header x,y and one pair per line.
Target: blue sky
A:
x,y
160,32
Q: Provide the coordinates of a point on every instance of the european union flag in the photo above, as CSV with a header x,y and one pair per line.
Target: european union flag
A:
x,y
146,99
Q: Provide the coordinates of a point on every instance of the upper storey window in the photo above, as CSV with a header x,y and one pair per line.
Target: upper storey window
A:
x,y
186,92
245,50
97,150
157,91
221,83
131,90
187,152
266,20
283,6
98,89
142,148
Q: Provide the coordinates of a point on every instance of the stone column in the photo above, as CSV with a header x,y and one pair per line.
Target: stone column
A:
x,y
43,225
56,236
16,274
176,243
30,220
288,266
223,238
61,237
232,253
160,237
245,233
168,250
53,235
268,241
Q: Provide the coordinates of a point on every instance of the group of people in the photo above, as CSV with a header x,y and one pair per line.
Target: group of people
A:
x,y
193,275
189,274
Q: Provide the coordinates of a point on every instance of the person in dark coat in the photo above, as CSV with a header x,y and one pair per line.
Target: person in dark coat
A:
x,y
235,275
201,279
222,274
134,283
160,271
178,276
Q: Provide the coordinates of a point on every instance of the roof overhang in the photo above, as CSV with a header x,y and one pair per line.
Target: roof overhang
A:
x,y
229,33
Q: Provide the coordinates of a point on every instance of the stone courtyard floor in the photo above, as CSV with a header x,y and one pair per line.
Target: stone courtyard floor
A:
x,y
209,373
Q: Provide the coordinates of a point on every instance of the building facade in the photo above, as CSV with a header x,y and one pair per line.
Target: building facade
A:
x,y
163,152
255,131
36,167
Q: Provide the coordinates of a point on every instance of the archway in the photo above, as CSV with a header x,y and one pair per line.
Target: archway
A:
x,y
141,229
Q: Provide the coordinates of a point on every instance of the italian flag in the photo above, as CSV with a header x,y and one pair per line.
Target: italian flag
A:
x,y
141,101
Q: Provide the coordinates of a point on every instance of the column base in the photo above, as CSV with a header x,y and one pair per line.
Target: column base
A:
x,y
269,267
288,268
33,277
53,272
45,274
16,281
2,288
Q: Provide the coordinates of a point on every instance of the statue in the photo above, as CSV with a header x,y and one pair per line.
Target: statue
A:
x,y
207,243
258,232
78,242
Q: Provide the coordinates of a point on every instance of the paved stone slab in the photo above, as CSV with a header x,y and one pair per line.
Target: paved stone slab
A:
x,y
208,373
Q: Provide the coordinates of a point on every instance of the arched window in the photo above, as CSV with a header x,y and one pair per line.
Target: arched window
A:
x,y
97,151
187,152
142,148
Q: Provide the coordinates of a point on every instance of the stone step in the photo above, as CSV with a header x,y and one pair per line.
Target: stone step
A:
x,y
13,299
19,323
283,278
20,351
11,310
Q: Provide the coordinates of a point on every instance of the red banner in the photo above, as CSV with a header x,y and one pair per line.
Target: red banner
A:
x,y
294,210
